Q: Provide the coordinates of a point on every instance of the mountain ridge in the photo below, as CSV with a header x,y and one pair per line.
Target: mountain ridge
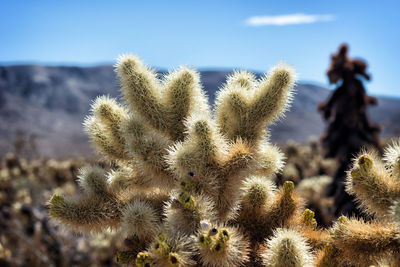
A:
x,y
52,101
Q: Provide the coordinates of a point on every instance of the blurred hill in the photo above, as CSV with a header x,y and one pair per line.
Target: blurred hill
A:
x,y
51,103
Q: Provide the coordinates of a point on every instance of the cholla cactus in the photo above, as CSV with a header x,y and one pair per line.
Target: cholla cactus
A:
x,y
288,248
190,189
350,128
376,186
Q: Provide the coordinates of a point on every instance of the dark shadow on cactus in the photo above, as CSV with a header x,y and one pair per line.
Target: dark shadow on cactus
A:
x,y
349,128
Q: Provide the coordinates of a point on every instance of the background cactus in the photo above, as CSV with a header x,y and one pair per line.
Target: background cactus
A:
x,y
349,127
27,236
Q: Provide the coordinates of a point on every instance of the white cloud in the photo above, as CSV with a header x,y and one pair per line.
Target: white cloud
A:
x,y
291,19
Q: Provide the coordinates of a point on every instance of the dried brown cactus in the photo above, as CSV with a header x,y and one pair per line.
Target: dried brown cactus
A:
x,y
349,127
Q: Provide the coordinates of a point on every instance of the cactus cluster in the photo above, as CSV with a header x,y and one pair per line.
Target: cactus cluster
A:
x,y
192,187
27,237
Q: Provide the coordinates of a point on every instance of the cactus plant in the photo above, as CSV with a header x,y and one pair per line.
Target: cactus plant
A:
x,y
376,186
190,188
185,179
350,128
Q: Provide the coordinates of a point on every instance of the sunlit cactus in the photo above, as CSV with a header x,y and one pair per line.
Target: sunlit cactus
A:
x,y
192,188
288,248
189,188
376,186
373,185
221,246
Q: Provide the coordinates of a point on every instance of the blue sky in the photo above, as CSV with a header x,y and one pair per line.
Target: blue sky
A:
x,y
248,34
